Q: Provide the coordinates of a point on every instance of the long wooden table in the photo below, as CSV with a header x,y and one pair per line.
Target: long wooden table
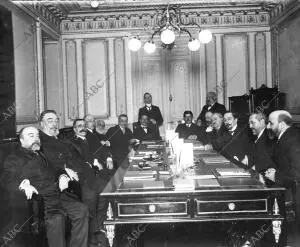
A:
x,y
136,198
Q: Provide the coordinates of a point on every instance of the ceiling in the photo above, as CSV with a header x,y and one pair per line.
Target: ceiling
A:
x,y
66,9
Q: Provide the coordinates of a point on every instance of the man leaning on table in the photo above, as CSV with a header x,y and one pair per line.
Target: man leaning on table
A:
x,y
286,154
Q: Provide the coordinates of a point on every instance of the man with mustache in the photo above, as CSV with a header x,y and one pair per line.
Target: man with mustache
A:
x,y
59,152
94,183
27,172
262,145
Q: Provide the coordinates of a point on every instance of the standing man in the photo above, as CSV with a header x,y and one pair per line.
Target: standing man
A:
x,y
152,111
262,146
211,105
27,172
120,138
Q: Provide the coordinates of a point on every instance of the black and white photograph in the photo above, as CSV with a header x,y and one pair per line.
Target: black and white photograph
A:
x,y
150,123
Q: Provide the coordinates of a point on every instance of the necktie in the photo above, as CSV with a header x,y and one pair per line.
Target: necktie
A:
x,y
148,108
145,129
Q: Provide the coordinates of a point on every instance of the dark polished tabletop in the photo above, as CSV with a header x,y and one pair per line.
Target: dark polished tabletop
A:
x,y
162,182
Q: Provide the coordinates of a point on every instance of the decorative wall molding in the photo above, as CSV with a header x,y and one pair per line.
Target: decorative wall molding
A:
x,y
148,21
38,11
282,11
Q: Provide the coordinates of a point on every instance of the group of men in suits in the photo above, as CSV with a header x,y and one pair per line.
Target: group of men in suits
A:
x,y
273,148
71,173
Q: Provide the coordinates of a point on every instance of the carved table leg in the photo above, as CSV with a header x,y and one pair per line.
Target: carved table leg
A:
x,y
276,229
110,233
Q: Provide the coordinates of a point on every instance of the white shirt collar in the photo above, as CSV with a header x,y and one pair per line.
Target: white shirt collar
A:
x,y
282,133
260,134
89,130
234,128
81,137
149,105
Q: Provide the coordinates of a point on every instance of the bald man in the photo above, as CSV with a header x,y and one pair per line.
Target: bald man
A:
x,y
286,153
28,173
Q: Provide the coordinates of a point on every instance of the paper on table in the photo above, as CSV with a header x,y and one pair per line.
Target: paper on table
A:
x,y
184,184
153,185
207,183
232,172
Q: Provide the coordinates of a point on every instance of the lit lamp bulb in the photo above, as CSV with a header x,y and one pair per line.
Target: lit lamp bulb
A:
x,y
149,47
194,44
94,4
205,36
167,36
134,44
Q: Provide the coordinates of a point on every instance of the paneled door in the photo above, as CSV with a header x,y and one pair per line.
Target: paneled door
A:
x,y
170,77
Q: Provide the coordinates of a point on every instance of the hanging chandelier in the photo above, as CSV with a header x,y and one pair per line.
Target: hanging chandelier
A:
x,y
169,25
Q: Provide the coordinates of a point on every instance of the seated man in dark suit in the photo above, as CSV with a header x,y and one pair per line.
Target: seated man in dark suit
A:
x,y
98,143
152,111
262,146
62,155
189,130
286,154
233,143
145,130
96,181
211,105
121,139
218,130
27,172
92,131
100,128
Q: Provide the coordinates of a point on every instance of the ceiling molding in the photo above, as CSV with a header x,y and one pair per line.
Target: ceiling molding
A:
x,y
149,21
43,15
78,16
283,11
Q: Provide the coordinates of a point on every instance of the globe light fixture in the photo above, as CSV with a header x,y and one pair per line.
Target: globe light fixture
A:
x,y
171,24
134,44
194,44
149,47
167,36
94,4
205,36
